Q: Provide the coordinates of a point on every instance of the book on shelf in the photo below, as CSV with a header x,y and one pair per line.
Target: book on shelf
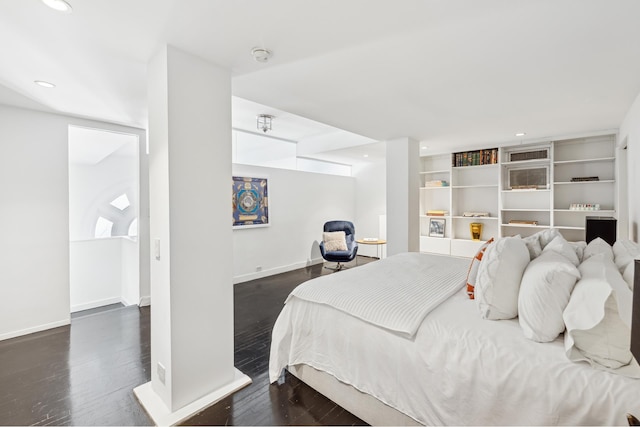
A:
x,y
475,214
585,178
475,158
436,183
435,212
523,222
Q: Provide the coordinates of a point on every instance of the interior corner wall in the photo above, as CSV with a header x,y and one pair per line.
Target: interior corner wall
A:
x,y
34,218
371,202
299,204
630,131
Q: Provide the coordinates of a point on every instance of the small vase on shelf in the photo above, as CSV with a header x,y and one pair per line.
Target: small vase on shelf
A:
x,y
476,230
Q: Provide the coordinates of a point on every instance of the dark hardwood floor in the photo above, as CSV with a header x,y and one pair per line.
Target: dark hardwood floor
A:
x,y
84,374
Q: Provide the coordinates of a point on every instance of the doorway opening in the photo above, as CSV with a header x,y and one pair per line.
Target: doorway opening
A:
x,y
103,218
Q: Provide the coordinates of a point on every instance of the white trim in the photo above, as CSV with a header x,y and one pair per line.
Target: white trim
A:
x,y
97,303
145,301
126,303
276,270
35,329
162,416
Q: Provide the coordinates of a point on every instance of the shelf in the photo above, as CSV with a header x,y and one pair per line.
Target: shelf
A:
x,y
525,210
525,226
526,191
492,165
435,216
567,227
585,211
435,188
476,186
568,162
430,172
602,181
527,162
474,217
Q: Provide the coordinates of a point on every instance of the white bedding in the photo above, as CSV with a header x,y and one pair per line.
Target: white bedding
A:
x,y
459,369
395,294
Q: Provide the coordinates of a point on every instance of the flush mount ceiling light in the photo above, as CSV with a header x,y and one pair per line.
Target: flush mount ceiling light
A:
x,y
59,5
520,134
260,54
264,122
44,84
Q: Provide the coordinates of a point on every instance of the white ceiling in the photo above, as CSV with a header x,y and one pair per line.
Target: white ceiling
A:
x,y
448,73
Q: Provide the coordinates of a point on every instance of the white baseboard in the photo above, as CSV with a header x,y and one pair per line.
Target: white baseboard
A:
x,y
94,304
277,270
145,301
162,416
35,329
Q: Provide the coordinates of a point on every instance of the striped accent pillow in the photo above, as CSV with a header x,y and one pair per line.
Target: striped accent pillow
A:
x,y
473,268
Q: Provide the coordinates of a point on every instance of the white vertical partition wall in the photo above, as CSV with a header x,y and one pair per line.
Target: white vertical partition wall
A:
x,y
402,196
191,267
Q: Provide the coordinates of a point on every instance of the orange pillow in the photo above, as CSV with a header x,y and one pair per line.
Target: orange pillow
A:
x,y
473,268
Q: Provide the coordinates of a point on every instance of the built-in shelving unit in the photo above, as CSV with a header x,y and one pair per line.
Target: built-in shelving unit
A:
x,y
525,182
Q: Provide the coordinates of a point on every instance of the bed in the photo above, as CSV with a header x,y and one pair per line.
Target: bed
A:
x,y
454,369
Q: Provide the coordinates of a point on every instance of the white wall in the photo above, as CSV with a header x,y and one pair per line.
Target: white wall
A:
x,y
34,219
371,202
630,131
93,187
299,204
103,271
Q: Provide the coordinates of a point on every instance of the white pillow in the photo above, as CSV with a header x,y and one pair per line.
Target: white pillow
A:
x,y
597,246
561,246
533,245
334,241
579,248
628,274
598,318
546,236
498,280
624,252
545,290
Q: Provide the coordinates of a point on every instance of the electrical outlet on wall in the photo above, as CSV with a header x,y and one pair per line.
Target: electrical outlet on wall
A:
x,y
259,268
161,373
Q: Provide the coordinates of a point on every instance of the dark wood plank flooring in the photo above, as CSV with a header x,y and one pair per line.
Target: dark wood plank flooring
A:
x,y
84,374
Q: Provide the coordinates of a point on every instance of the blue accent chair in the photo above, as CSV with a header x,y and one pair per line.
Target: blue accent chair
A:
x,y
352,245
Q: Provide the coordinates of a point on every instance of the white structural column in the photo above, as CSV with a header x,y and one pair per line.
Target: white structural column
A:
x,y
191,260
403,220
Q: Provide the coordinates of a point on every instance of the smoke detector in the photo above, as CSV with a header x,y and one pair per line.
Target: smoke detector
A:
x,y
260,54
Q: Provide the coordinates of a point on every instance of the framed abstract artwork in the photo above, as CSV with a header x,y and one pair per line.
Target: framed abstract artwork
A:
x,y
250,202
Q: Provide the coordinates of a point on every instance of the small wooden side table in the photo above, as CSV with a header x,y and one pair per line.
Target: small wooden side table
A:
x,y
378,243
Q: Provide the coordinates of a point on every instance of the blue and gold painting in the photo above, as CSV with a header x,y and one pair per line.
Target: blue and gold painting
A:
x,y
250,202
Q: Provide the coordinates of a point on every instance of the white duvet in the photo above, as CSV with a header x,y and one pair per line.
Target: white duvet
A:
x,y
395,294
459,369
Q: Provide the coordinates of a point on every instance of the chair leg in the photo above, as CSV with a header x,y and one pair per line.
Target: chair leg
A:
x,y
338,267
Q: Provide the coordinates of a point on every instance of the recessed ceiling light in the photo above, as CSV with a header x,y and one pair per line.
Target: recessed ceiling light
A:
x,y
261,54
59,5
424,147
366,155
44,84
520,134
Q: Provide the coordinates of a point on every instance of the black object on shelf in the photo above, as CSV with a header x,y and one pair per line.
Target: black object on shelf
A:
x,y
635,320
601,226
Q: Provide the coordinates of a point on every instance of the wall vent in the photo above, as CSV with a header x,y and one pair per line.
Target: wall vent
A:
x,y
529,155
